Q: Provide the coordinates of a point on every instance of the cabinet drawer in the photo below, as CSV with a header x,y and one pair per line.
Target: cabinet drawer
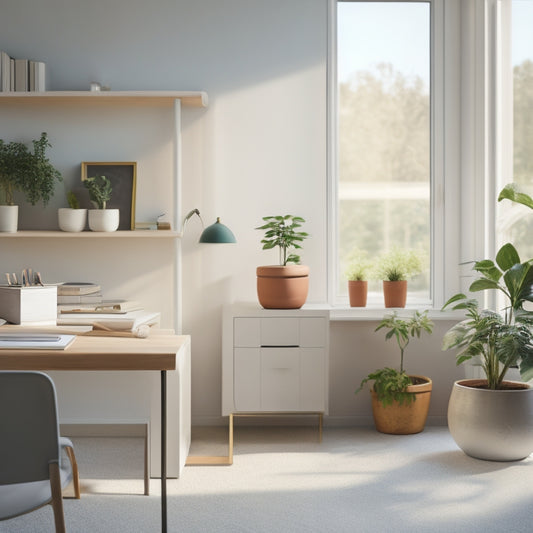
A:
x,y
247,332
280,332
280,379
247,379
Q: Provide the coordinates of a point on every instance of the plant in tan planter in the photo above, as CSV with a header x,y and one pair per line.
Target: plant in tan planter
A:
x,y
492,418
357,274
400,402
283,286
101,219
395,268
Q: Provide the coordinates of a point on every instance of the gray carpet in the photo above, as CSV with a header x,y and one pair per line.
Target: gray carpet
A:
x,y
283,480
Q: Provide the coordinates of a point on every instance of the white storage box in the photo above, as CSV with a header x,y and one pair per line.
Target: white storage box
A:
x,y
28,305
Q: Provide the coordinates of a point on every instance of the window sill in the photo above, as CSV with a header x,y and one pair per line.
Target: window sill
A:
x,y
345,314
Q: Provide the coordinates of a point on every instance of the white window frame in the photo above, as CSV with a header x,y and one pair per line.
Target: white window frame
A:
x,y
445,156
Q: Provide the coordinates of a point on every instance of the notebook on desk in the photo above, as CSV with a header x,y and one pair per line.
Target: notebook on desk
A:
x,y
37,341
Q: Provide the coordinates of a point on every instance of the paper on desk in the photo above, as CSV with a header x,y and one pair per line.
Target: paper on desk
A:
x,y
40,341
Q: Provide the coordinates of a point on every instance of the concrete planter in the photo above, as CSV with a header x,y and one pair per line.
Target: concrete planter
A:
x,y
72,220
103,219
9,215
495,425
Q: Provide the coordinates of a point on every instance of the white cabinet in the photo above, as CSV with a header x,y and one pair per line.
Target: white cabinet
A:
x,y
274,360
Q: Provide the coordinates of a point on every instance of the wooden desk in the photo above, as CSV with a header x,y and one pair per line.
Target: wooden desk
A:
x,y
157,352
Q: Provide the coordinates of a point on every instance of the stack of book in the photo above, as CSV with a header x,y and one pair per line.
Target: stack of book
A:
x,y
21,74
69,294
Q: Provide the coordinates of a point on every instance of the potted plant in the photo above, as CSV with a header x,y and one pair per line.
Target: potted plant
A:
x,y
400,402
100,218
395,268
357,275
72,218
283,286
29,173
492,418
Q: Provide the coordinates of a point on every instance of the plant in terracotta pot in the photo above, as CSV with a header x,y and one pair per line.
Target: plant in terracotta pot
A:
x,y
72,218
395,267
400,402
101,219
357,275
283,286
30,173
492,418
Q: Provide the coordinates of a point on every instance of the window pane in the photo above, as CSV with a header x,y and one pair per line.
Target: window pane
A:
x,y
384,132
517,225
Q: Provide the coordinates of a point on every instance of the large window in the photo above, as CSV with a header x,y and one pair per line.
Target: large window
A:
x,y
384,141
515,223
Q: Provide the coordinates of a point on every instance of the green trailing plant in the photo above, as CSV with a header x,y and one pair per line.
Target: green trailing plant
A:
x,y
391,384
359,267
100,190
281,231
505,339
398,265
72,200
30,173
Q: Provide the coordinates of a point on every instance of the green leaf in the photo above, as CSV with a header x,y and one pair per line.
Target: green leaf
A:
x,y
512,192
507,257
483,284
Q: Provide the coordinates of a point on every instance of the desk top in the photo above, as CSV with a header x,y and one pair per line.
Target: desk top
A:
x,y
156,352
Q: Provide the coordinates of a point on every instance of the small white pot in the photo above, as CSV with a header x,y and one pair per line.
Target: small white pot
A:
x,y
71,219
9,215
103,219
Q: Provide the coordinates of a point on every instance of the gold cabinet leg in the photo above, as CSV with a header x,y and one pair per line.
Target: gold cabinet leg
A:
x,y
214,460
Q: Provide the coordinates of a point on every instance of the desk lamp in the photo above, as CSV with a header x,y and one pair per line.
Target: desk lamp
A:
x,y
216,233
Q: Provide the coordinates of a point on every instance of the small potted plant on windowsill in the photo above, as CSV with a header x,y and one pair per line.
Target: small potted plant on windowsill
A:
x,y
72,218
283,286
101,219
395,268
400,402
357,275
29,173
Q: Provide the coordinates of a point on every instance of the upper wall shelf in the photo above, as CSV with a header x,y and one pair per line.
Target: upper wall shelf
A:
x,y
155,98
161,234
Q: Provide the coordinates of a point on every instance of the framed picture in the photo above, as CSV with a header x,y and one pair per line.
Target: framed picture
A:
x,y
123,177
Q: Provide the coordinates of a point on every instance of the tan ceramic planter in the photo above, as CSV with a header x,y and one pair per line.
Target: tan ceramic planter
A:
x,y
357,291
282,287
404,419
395,293
495,425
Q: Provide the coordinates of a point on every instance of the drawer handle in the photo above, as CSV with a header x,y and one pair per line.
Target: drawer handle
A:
x,y
280,345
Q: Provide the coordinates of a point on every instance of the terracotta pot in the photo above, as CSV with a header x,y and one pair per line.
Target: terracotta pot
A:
x,y
282,287
357,291
495,425
407,418
395,293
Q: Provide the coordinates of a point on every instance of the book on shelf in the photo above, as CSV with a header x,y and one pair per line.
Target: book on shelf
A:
x,y
102,307
37,76
21,75
128,321
36,341
75,288
82,299
5,72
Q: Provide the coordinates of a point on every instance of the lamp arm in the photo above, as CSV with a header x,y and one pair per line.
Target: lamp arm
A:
x,y
190,215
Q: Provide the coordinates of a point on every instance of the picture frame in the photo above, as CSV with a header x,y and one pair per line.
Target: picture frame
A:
x,y
123,177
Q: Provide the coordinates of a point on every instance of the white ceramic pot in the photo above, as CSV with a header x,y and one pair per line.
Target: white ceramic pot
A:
x,y
71,219
495,425
103,219
9,215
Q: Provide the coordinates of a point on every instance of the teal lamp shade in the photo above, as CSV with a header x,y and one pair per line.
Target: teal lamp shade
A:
x,y
217,233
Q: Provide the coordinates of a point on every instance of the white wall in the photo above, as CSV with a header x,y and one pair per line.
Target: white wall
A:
x,y
258,149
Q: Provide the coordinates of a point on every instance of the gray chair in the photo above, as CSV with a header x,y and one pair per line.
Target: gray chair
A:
x,y
32,471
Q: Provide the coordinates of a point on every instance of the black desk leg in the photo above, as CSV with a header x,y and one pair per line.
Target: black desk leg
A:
x,y
164,451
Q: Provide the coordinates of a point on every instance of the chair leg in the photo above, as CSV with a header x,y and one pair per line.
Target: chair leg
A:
x,y
57,497
75,473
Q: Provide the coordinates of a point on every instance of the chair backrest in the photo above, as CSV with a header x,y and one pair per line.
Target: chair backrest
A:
x,y
29,432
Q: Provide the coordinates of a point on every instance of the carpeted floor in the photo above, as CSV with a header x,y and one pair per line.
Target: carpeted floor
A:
x,y
283,480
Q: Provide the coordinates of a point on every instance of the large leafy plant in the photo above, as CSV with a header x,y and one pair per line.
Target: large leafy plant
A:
x,y
391,384
31,173
505,339
281,231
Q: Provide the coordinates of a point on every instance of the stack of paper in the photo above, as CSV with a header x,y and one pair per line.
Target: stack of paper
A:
x,y
128,321
38,341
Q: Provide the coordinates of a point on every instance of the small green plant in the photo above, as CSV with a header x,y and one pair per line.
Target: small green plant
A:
x,y
398,264
100,190
390,384
281,231
27,172
359,267
72,200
